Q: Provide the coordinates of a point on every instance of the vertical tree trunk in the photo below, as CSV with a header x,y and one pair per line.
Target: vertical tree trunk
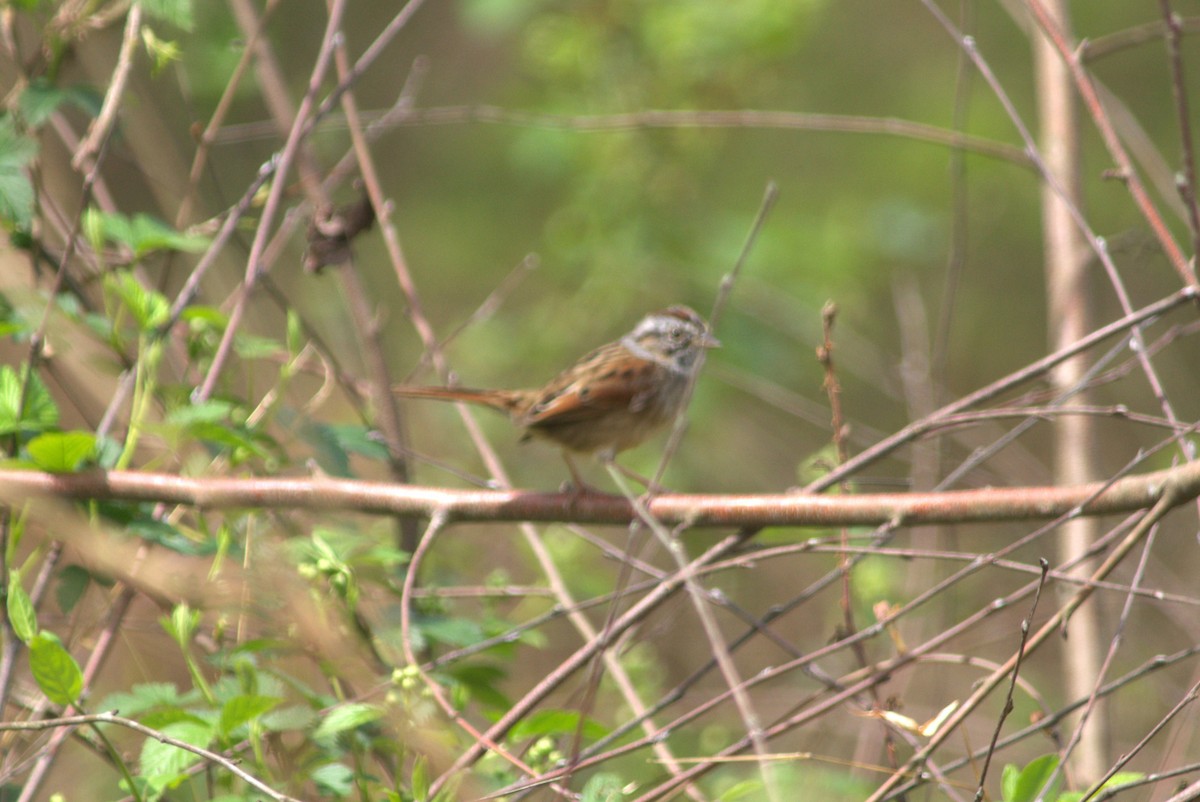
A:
x,y
1069,319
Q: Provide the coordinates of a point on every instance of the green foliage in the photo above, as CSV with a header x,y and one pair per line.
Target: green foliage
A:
x,y
343,719
1030,783
61,452
16,193
604,787
334,444
54,669
142,234
72,582
42,97
25,403
22,616
177,12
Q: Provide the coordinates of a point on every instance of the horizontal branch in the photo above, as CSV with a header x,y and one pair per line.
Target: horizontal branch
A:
x,y
788,509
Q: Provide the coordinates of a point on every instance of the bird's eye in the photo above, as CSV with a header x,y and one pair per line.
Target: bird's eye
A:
x,y
677,334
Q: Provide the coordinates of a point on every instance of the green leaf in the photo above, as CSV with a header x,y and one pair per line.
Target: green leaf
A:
x,y
165,766
333,444
16,192
250,347
54,669
39,412
140,698
72,583
289,719
1025,784
746,789
61,452
345,717
181,625
42,98
603,787
141,233
556,722
169,537
244,708
334,779
149,308
177,12
21,613
420,779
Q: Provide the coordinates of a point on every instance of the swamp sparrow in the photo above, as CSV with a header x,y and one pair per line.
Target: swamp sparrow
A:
x,y
611,399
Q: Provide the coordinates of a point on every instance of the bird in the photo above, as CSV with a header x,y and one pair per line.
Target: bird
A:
x,y
609,400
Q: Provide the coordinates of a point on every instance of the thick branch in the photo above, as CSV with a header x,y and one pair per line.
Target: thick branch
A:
x,y
869,509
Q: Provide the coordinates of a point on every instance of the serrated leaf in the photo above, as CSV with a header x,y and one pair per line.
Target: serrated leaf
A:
x,y
54,669
346,717
149,308
142,233
165,766
142,697
42,98
21,613
61,452
151,234
334,779
244,708
39,411
289,719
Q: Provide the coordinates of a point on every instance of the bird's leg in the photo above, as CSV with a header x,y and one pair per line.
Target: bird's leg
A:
x,y
578,485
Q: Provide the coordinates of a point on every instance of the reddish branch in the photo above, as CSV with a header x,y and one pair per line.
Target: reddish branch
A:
x,y
785,509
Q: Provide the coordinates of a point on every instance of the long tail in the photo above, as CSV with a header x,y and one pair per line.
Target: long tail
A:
x,y
506,401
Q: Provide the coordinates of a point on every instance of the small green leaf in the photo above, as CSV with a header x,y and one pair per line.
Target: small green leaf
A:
x,y
149,308
16,192
251,347
182,624
61,452
1029,782
151,234
72,583
244,708
603,787
177,12
161,51
39,411
42,98
141,233
555,722
21,613
346,717
420,779
746,789
141,698
289,719
165,766
54,669
334,779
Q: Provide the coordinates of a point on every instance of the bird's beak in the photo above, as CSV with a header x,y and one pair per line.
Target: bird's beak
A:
x,y
709,341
